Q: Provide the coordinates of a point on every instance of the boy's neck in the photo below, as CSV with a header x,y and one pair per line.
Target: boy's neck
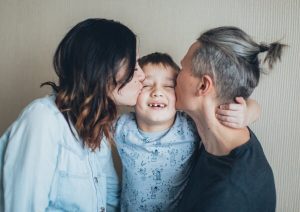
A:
x,y
154,126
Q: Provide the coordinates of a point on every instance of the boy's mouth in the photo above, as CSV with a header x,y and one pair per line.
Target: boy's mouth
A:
x,y
157,105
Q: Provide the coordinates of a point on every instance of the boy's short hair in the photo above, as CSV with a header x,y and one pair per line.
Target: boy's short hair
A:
x,y
158,58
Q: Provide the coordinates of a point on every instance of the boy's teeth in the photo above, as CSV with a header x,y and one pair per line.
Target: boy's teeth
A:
x,y
157,105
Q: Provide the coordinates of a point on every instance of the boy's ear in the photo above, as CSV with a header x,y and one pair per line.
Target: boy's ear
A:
x,y
205,85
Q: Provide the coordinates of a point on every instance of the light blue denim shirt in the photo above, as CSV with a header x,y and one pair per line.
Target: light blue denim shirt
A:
x,y
45,168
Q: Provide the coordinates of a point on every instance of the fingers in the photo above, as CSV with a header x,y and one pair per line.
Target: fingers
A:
x,y
230,121
222,118
240,100
239,105
230,124
233,114
227,112
231,106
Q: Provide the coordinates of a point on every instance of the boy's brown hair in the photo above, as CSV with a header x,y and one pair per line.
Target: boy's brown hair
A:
x,y
158,58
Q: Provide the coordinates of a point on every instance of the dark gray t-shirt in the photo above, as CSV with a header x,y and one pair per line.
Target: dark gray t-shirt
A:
x,y
239,182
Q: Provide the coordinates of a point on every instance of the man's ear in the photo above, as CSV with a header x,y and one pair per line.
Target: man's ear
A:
x,y
205,85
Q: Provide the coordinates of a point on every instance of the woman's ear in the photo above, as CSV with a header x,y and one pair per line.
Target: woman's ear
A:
x,y
205,85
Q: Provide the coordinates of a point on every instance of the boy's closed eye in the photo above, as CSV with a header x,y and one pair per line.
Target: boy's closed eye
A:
x,y
147,85
169,86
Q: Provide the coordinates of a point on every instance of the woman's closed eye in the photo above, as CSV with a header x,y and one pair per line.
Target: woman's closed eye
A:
x,y
146,85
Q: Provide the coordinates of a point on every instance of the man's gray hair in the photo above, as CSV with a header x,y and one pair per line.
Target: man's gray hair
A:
x,y
230,57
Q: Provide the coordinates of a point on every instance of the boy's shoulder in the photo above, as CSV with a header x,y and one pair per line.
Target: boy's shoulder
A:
x,y
126,123
182,115
184,123
126,120
185,119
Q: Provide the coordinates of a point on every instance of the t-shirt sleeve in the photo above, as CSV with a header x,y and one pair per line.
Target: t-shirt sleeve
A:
x,y
227,200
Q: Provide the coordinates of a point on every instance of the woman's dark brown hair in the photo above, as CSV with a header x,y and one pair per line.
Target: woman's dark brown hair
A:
x,y
86,62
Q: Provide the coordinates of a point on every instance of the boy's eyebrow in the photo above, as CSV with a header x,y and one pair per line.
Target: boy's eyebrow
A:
x,y
168,78
171,79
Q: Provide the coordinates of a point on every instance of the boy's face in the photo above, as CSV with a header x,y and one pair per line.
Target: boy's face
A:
x,y
155,108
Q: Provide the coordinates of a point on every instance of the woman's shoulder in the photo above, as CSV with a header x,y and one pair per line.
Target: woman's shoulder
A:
x,y
41,108
40,113
38,124
45,105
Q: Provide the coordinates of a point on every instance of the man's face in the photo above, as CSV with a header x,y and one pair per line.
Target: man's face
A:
x,y
156,102
186,88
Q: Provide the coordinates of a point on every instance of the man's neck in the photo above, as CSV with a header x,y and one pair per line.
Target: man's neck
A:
x,y
218,139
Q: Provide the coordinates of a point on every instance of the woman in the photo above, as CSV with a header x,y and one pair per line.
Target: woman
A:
x,y
56,155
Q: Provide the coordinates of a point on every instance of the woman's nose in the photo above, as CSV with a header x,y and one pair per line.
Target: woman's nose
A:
x,y
140,75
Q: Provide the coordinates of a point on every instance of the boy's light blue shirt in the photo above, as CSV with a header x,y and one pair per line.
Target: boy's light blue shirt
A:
x,y
45,168
156,166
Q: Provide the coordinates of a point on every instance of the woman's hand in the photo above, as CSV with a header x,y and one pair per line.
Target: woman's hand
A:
x,y
240,114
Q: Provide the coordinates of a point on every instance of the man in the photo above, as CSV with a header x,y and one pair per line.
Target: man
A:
x,y
231,172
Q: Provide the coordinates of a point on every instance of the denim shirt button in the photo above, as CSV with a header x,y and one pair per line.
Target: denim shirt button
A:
x,y
96,181
102,209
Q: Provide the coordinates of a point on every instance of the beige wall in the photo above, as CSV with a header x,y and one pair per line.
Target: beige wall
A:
x,y
31,29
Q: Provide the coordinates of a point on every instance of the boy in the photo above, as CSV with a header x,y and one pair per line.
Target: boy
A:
x,y
157,146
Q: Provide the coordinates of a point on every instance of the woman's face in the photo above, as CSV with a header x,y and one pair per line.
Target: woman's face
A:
x,y
128,95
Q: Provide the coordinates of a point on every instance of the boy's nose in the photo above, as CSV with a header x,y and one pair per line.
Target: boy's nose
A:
x,y
156,93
